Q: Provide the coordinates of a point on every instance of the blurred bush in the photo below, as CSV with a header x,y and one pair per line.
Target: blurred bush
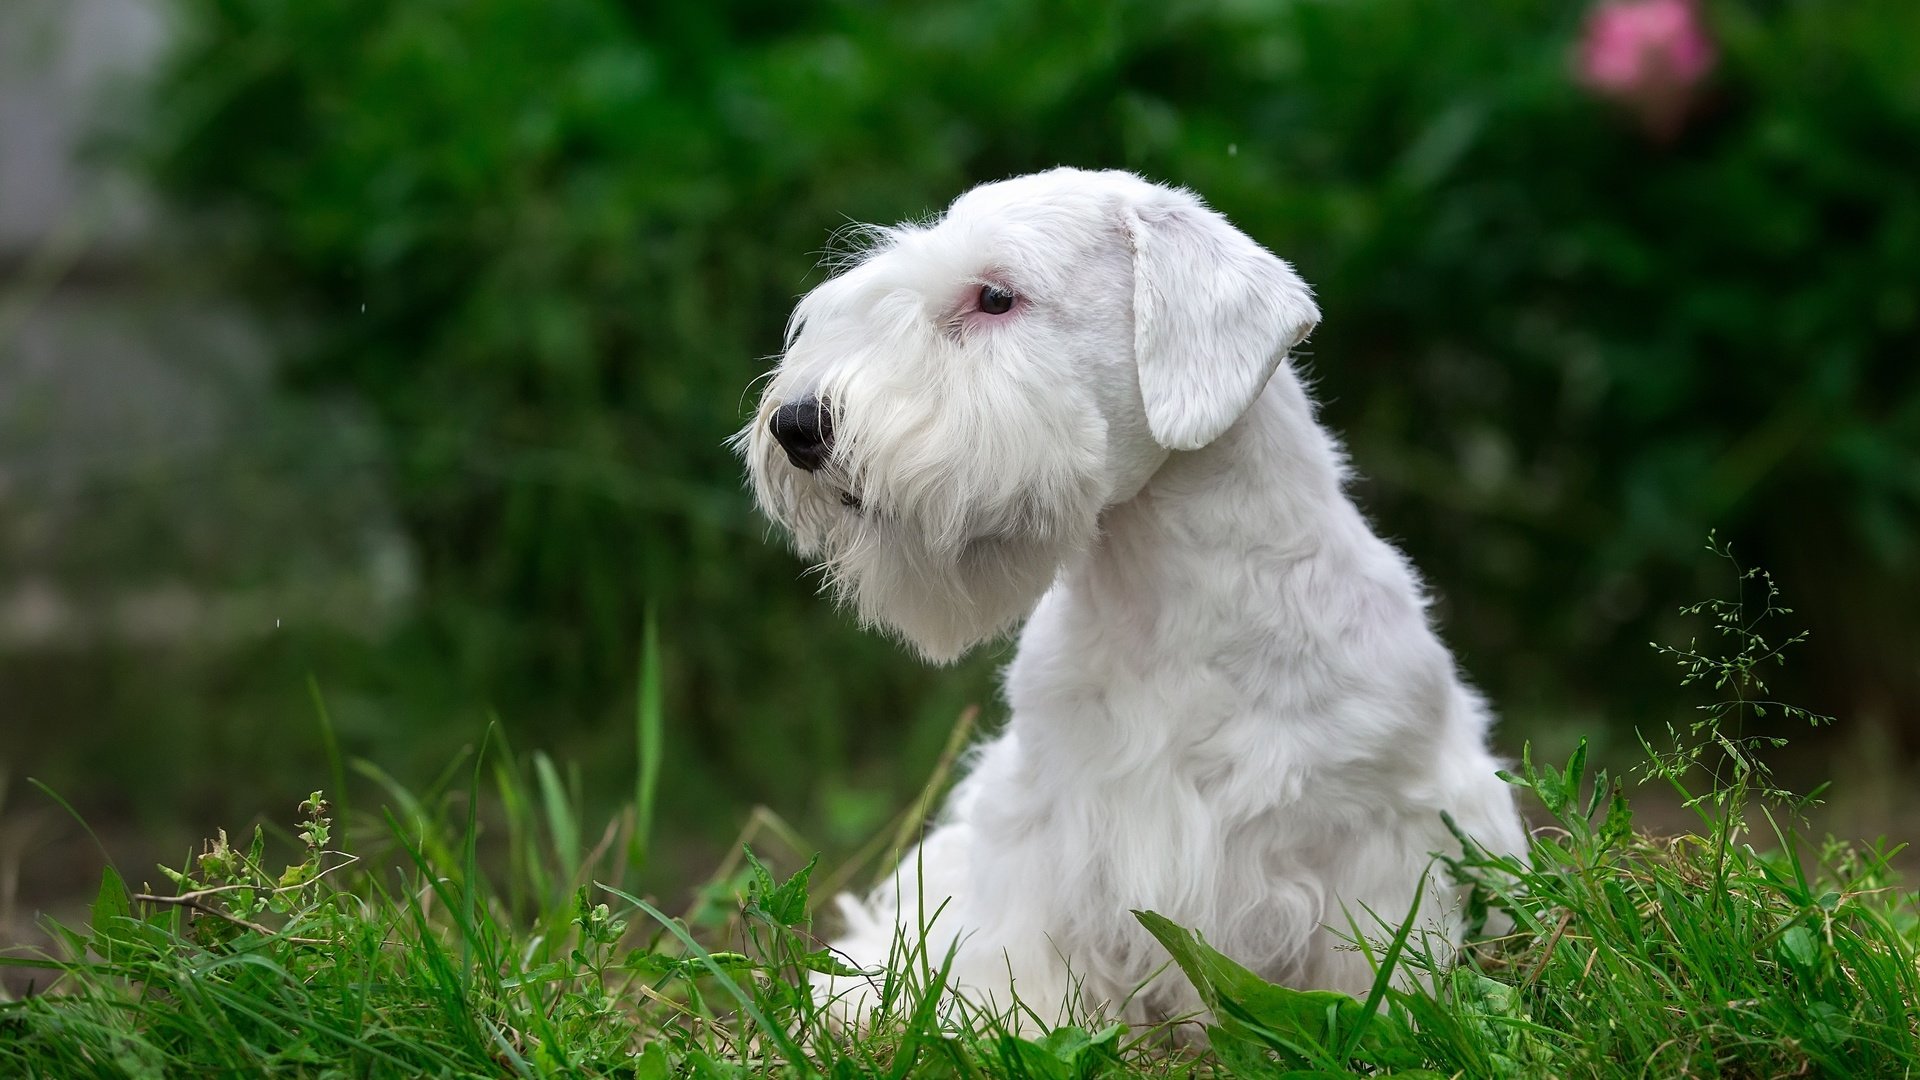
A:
x,y
551,242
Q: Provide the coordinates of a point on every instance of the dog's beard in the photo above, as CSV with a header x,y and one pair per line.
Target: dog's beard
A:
x,y
942,569
942,602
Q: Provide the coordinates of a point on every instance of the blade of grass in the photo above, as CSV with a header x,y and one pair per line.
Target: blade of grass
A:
x,y
1383,974
75,814
562,825
470,851
648,724
336,765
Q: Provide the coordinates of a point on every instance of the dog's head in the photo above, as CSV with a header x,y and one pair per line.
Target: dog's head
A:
x,y
955,409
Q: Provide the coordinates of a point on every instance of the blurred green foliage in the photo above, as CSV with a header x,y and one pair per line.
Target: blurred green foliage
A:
x,y
551,242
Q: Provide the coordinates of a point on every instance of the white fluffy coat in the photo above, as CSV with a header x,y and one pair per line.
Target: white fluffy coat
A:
x,y
1228,704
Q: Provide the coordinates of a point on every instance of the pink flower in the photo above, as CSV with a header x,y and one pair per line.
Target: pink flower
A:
x,y
1649,55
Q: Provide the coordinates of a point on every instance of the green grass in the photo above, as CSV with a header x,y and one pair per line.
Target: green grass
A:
x,y
482,928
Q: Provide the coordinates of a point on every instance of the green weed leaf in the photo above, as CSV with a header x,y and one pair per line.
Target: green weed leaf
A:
x,y
826,962
653,1063
1800,947
784,904
112,915
1295,1028
111,902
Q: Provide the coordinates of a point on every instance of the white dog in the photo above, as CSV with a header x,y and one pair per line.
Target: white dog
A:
x,y
1068,396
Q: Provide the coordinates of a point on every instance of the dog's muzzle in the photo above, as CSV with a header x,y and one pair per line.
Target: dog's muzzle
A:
x,y
804,429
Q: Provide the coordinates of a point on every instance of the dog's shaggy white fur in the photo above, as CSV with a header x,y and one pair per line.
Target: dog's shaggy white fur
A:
x,y
1069,396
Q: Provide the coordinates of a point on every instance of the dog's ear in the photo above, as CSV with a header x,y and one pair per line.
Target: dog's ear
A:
x,y
1213,315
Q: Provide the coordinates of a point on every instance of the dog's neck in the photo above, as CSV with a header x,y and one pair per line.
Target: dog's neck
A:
x,y
1232,589
1269,489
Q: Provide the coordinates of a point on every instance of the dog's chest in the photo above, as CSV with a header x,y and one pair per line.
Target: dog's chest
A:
x,y
1188,826
1256,887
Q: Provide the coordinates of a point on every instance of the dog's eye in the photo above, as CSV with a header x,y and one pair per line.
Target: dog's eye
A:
x,y
995,300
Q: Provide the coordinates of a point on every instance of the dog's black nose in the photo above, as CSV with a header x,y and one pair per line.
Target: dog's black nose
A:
x,y
804,429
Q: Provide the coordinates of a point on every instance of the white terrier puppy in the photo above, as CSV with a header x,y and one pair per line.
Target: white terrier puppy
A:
x,y
1068,396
